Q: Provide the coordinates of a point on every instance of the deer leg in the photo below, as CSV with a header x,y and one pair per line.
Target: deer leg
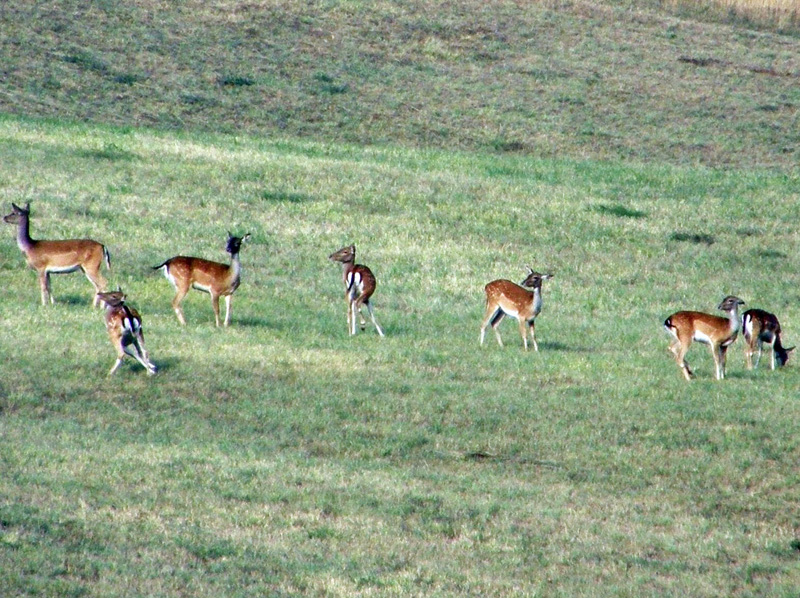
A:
x,y
532,326
679,349
488,316
98,282
44,286
359,302
117,342
523,331
215,306
176,303
136,350
228,299
349,311
718,353
372,317
748,355
758,352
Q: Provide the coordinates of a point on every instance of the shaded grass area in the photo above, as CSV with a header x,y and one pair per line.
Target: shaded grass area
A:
x,y
281,457
608,80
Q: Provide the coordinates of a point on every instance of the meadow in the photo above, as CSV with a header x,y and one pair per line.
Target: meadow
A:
x,y
281,457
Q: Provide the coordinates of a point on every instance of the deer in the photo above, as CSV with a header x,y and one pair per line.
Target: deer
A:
x,y
359,285
124,327
760,327
506,298
58,256
214,278
717,332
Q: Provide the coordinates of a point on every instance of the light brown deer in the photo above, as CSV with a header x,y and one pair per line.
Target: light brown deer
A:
x,y
717,332
506,298
124,327
760,327
219,280
359,285
61,256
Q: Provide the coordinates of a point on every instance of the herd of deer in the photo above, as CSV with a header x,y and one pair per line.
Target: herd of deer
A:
x,y
503,298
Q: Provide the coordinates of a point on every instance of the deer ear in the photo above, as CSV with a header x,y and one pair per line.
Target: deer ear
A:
x,y
790,349
246,236
530,270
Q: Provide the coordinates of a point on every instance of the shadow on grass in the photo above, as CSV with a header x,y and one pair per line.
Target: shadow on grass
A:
x,y
557,346
251,322
693,238
619,211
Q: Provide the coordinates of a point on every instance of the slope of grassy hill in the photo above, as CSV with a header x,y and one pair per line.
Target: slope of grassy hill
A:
x,y
583,79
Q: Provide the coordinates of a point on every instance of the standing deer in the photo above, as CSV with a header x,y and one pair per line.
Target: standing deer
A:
x,y
60,256
760,327
359,285
124,326
219,280
505,298
717,332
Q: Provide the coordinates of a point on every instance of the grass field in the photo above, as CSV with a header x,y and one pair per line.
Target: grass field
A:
x,y
281,457
622,79
646,158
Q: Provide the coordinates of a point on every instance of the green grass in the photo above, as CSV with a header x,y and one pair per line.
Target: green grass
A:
x,y
280,457
642,80
645,152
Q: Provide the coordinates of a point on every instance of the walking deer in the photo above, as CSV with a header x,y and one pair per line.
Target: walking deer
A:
x,y
359,285
760,327
58,256
124,327
506,298
717,332
219,280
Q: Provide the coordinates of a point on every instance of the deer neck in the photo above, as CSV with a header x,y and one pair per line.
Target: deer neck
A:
x,y
347,268
537,299
24,241
236,265
734,322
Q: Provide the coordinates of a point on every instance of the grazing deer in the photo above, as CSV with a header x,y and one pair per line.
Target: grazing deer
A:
x,y
359,284
760,327
58,257
219,280
124,326
505,298
717,332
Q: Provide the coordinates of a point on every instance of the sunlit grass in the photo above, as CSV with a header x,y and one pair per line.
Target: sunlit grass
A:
x,y
281,456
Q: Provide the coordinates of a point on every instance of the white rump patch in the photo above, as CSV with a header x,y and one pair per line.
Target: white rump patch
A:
x,y
702,338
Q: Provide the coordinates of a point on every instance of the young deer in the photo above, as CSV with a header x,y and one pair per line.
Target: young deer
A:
x,y
219,280
760,327
359,284
718,332
505,298
57,257
124,326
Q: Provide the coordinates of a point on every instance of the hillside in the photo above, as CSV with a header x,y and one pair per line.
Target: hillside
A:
x,y
579,79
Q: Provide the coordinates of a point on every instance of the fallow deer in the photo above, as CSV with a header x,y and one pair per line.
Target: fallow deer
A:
x,y
219,280
58,256
760,327
506,298
717,332
359,285
124,327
